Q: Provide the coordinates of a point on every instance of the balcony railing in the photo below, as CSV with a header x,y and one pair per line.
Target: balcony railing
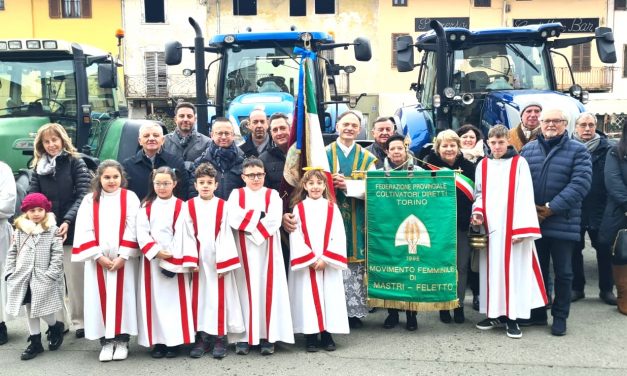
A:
x,y
176,85
597,79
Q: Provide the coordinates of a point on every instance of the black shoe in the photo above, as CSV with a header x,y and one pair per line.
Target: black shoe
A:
x,y
158,351
538,318
608,297
326,341
33,349
392,320
266,348
4,336
172,352
532,322
201,346
445,316
311,342
513,330
80,333
458,315
559,326
576,295
475,302
242,348
355,323
489,323
412,323
55,335
219,348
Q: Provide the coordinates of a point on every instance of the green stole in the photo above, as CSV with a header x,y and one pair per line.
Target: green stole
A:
x,y
353,210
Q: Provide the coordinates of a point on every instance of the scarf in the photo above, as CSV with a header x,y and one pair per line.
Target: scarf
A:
x,y
223,158
529,132
47,165
474,153
184,140
547,145
592,144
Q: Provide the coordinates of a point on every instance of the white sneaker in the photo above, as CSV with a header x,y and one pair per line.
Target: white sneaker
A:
x,y
121,350
106,354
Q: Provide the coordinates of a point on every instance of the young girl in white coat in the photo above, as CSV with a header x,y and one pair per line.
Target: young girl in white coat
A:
x,y
34,273
165,319
104,239
317,258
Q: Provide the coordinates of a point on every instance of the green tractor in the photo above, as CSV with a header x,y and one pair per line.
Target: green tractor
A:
x,y
44,81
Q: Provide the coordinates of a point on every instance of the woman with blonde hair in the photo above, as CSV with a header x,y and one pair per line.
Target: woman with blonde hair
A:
x,y
61,175
446,154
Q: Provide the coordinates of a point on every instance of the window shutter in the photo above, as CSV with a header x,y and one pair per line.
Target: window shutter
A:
x,y
156,75
54,8
86,8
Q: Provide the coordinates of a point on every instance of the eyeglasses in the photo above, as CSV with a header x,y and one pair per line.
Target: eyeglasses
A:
x,y
553,121
162,185
588,125
255,176
223,134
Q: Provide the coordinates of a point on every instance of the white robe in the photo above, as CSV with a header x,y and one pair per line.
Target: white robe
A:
x,y
317,297
215,301
104,229
165,310
510,278
261,280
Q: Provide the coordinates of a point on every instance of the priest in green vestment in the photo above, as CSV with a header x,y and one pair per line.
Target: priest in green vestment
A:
x,y
349,163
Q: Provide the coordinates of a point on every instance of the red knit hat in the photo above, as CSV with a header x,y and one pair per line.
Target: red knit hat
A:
x,y
35,200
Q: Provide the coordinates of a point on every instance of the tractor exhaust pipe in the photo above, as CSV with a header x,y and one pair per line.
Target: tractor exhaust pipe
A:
x,y
201,77
442,122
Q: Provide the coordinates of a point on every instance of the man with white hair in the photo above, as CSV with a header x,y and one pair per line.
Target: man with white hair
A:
x,y
561,172
528,129
592,211
152,156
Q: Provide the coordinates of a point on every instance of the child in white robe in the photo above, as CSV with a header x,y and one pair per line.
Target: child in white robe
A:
x,y
165,319
510,280
255,214
318,256
104,239
215,301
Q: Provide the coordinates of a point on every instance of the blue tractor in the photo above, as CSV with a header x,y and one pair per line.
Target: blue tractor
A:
x,y
260,69
484,77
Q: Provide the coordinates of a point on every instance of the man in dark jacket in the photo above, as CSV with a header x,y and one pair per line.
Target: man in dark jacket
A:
x,y
561,172
185,142
274,158
225,157
592,211
258,140
139,167
382,129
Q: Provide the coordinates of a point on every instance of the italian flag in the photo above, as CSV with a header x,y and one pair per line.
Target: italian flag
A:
x,y
307,145
462,183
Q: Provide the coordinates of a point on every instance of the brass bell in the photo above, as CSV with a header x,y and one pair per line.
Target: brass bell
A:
x,y
477,239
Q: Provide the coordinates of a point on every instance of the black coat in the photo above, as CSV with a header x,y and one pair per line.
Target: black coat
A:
x,y
139,167
273,160
464,204
616,184
227,180
65,188
250,149
594,204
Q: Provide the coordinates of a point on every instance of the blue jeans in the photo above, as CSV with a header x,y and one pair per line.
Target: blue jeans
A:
x,y
561,252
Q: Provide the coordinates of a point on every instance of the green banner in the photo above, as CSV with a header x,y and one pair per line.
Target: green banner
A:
x,y
411,240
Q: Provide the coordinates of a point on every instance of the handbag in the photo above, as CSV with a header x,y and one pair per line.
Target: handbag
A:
x,y
619,249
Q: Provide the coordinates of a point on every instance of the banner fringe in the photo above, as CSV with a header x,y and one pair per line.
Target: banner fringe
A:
x,y
413,306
